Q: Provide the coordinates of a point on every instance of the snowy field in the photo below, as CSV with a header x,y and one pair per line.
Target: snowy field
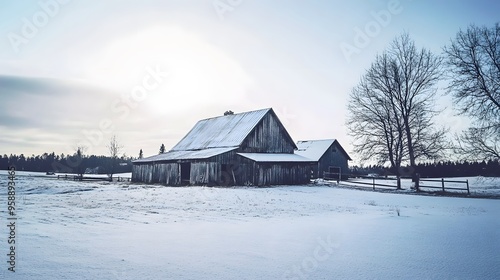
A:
x,y
103,230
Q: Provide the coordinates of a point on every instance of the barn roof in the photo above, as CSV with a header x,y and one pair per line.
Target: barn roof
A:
x,y
223,131
176,155
262,157
315,149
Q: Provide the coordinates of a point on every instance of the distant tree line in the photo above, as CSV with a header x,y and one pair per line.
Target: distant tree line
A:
x,y
77,163
48,162
442,169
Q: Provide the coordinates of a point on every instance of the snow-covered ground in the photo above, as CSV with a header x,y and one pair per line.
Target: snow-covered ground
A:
x,y
102,230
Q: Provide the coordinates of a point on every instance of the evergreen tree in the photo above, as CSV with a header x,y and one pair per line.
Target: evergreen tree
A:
x,y
162,149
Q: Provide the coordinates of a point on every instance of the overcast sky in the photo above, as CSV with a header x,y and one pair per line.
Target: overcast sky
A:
x,y
77,72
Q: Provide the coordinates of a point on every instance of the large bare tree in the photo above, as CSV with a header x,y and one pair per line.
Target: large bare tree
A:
x,y
376,128
473,60
391,110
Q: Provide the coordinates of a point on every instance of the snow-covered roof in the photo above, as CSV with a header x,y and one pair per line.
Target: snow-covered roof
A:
x,y
315,149
263,157
223,131
176,155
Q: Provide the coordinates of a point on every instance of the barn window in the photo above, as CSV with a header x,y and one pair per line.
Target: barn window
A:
x,y
334,149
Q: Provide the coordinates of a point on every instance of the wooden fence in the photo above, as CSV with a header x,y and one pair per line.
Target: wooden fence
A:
x,y
336,176
374,182
418,182
443,186
89,178
332,176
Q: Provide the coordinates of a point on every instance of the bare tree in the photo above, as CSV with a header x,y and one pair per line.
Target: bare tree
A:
x,y
114,148
377,130
473,60
414,75
479,143
391,110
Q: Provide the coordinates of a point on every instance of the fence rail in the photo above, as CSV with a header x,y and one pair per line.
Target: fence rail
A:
x,y
373,183
443,185
89,178
418,182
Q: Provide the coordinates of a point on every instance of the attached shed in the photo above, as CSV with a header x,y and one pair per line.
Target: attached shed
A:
x,y
328,155
251,148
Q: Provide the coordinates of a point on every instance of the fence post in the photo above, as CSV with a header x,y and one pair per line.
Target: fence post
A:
x,y
442,183
417,182
338,179
373,183
468,191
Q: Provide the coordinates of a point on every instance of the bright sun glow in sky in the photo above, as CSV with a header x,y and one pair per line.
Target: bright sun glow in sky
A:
x,y
150,69
199,73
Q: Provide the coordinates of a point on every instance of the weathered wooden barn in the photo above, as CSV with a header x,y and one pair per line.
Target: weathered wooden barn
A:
x,y
251,148
328,155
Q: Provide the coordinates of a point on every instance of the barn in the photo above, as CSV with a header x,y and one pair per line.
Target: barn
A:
x,y
251,148
328,155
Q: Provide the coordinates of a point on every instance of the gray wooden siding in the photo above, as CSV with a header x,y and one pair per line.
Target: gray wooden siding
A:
x,y
282,174
204,173
163,173
268,137
332,158
238,173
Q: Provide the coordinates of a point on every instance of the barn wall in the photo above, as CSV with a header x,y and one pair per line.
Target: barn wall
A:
x,y
217,174
225,158
142,173
282,173
169,174
234,170
333,158
164,173
224,170
204,173
236,174
269,136
315,171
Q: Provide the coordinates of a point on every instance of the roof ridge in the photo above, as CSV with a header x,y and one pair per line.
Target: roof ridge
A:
x,y
236,114
329,139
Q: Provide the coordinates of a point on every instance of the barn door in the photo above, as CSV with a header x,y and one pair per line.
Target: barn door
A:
x,y
334,173
185,172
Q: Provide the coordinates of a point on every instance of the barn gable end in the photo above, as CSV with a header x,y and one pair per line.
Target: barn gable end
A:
x,y
268,136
